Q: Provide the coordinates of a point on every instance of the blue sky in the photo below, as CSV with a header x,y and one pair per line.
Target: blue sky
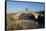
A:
x,y
20,6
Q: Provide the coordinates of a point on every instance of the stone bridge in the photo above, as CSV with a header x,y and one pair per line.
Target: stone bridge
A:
x,y
18,14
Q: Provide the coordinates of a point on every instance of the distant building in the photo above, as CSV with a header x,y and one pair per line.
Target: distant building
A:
x,y
26,9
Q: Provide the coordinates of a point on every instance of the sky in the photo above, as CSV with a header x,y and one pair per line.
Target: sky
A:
x,y
21,6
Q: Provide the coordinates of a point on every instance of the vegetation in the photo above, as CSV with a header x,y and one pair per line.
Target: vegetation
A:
x,y
17,24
